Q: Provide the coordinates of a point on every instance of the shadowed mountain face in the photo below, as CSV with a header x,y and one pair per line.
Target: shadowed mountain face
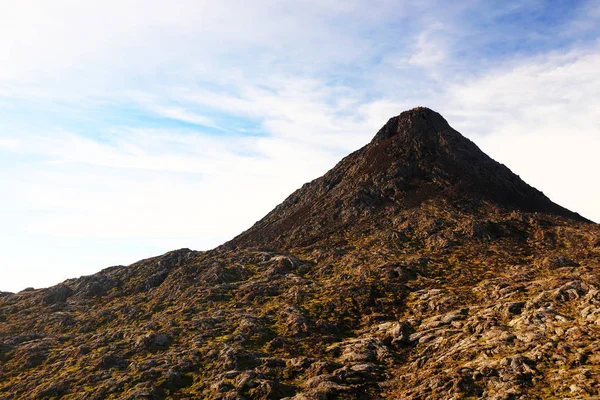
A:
x,y
418,267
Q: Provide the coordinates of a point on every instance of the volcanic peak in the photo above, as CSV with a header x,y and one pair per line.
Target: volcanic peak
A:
x,y
417,122
415,158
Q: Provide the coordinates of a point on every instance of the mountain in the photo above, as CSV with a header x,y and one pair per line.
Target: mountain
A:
x,y
415,157
418,267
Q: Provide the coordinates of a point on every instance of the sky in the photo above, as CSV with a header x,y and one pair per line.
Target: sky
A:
x,y
133,127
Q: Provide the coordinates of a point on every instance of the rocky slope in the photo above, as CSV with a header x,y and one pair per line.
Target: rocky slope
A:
x,y
416,268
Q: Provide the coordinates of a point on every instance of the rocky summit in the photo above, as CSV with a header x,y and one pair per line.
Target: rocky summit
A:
x,y
416,268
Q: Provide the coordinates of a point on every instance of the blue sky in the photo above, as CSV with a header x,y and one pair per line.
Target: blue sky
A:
x,y
129,128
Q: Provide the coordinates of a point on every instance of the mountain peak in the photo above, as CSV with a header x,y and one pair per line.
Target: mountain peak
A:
x,y
415,158
417,122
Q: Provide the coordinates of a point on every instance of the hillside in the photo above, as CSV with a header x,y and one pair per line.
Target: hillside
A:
x,y
417,267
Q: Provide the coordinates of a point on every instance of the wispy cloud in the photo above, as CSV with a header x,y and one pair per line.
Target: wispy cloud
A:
x,y
9,143
430,49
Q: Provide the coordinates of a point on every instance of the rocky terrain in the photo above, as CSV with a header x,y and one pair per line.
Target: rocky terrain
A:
x,y
417,268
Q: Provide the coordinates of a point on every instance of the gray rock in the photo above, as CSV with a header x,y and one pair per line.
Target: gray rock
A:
x,y
154,341
515,307
58,294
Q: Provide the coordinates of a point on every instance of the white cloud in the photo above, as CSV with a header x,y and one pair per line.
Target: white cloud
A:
x,y
430,49
70,49
155,183
541,117
183,115
9,143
